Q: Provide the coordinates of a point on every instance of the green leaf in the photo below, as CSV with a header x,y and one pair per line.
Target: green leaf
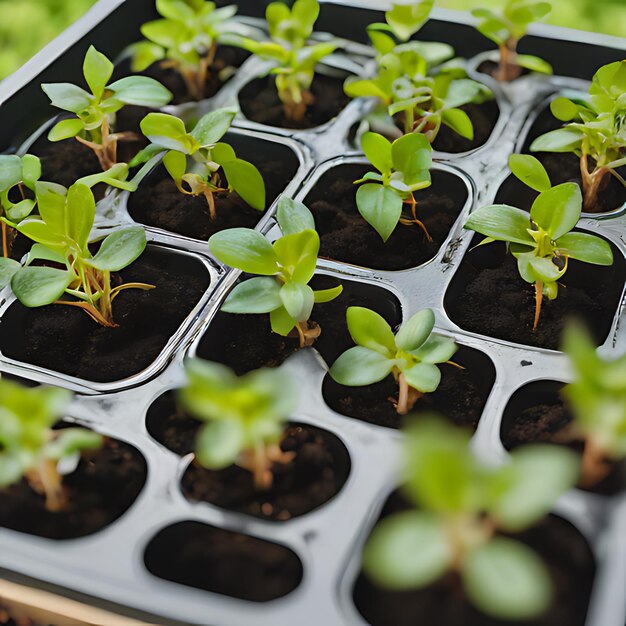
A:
x,y
416,330
564,109
145,54
380,206
213,126
66,129
256,295
39,251
436,349
459,121
98,71
360,366
298,300
21,210
38,286
31,170
502,223
412,155
530,171
327,295
168,132
585,247
293,217
141,91
560,140
245,249
533,268
51,200
8,267
220,443
507,580
557,210
424,377
370,330
378,151
120,249
80,214
408,550
10,171
176,165
246,180
297,255
282,323
536,478
407,19
11,469
534,64
67,97
72,440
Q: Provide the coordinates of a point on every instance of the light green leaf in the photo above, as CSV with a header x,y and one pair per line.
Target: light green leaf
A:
x,y
424,377
213,126
412,155
534,64
120,249
293,217
145,54
176,165
141,91
560,140
370,330
557,210
380,206
297,255
436,349
97,70
530,171
31,170
378,151
298,300
72,440
564,109
38,286
502,223
406,19
459,121
39,251
51,200
220,443
66,129
327,295
360,366
67,97
282,323
246,180
256,295
245,249
80,214
10,171
8,267
21,210
416,330
585,247
168,132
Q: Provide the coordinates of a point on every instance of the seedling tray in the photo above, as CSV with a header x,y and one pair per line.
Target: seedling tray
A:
x,y
129,565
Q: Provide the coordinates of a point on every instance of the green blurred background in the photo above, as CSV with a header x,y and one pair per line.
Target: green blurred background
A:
x,y
27,25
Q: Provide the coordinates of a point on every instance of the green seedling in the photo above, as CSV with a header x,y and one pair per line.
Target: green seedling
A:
x,y
198,162
461,505
284,268
597,399
403,169
244,417
30,448
411,355
596,132
186,39
292,60
506,29
61,233
94,111
542,242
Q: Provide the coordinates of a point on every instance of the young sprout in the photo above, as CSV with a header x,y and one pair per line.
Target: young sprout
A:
x,y
30,448
596,132
62,236
597,398
506,29
186,39
17,175
403,168
460,505
292,60
244,417
95,111
542,242
198,162
411,355
285,270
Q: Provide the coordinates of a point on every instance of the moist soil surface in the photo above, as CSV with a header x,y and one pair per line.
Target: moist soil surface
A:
x,y
226,57
67,340
159,203
537,413
564,550
562,168
461,395
487,296
484,117
246,342
105,484
317,473
225,562
260,103
345,236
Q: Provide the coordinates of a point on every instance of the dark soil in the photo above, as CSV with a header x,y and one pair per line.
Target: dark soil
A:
x,y
246,342
487,296
225,562
562,167
260,103
461,395
346,236
537,413
316,475
66,340
484,116
563,548
491,68
103,487
226,57
159,203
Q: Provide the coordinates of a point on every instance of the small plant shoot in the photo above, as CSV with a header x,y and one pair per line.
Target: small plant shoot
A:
x,y
543,242
291,58
506,29
31,449
595,132
198,162
411,355
186,39
245,417
403,169
597,399
461,506
284,270
94,111
61,233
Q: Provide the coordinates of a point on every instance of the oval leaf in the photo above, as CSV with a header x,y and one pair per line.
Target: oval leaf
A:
x,y
557,210
370,330
38,286
120,249
256,295
380,206
530,171
415,331
360,366
246,250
